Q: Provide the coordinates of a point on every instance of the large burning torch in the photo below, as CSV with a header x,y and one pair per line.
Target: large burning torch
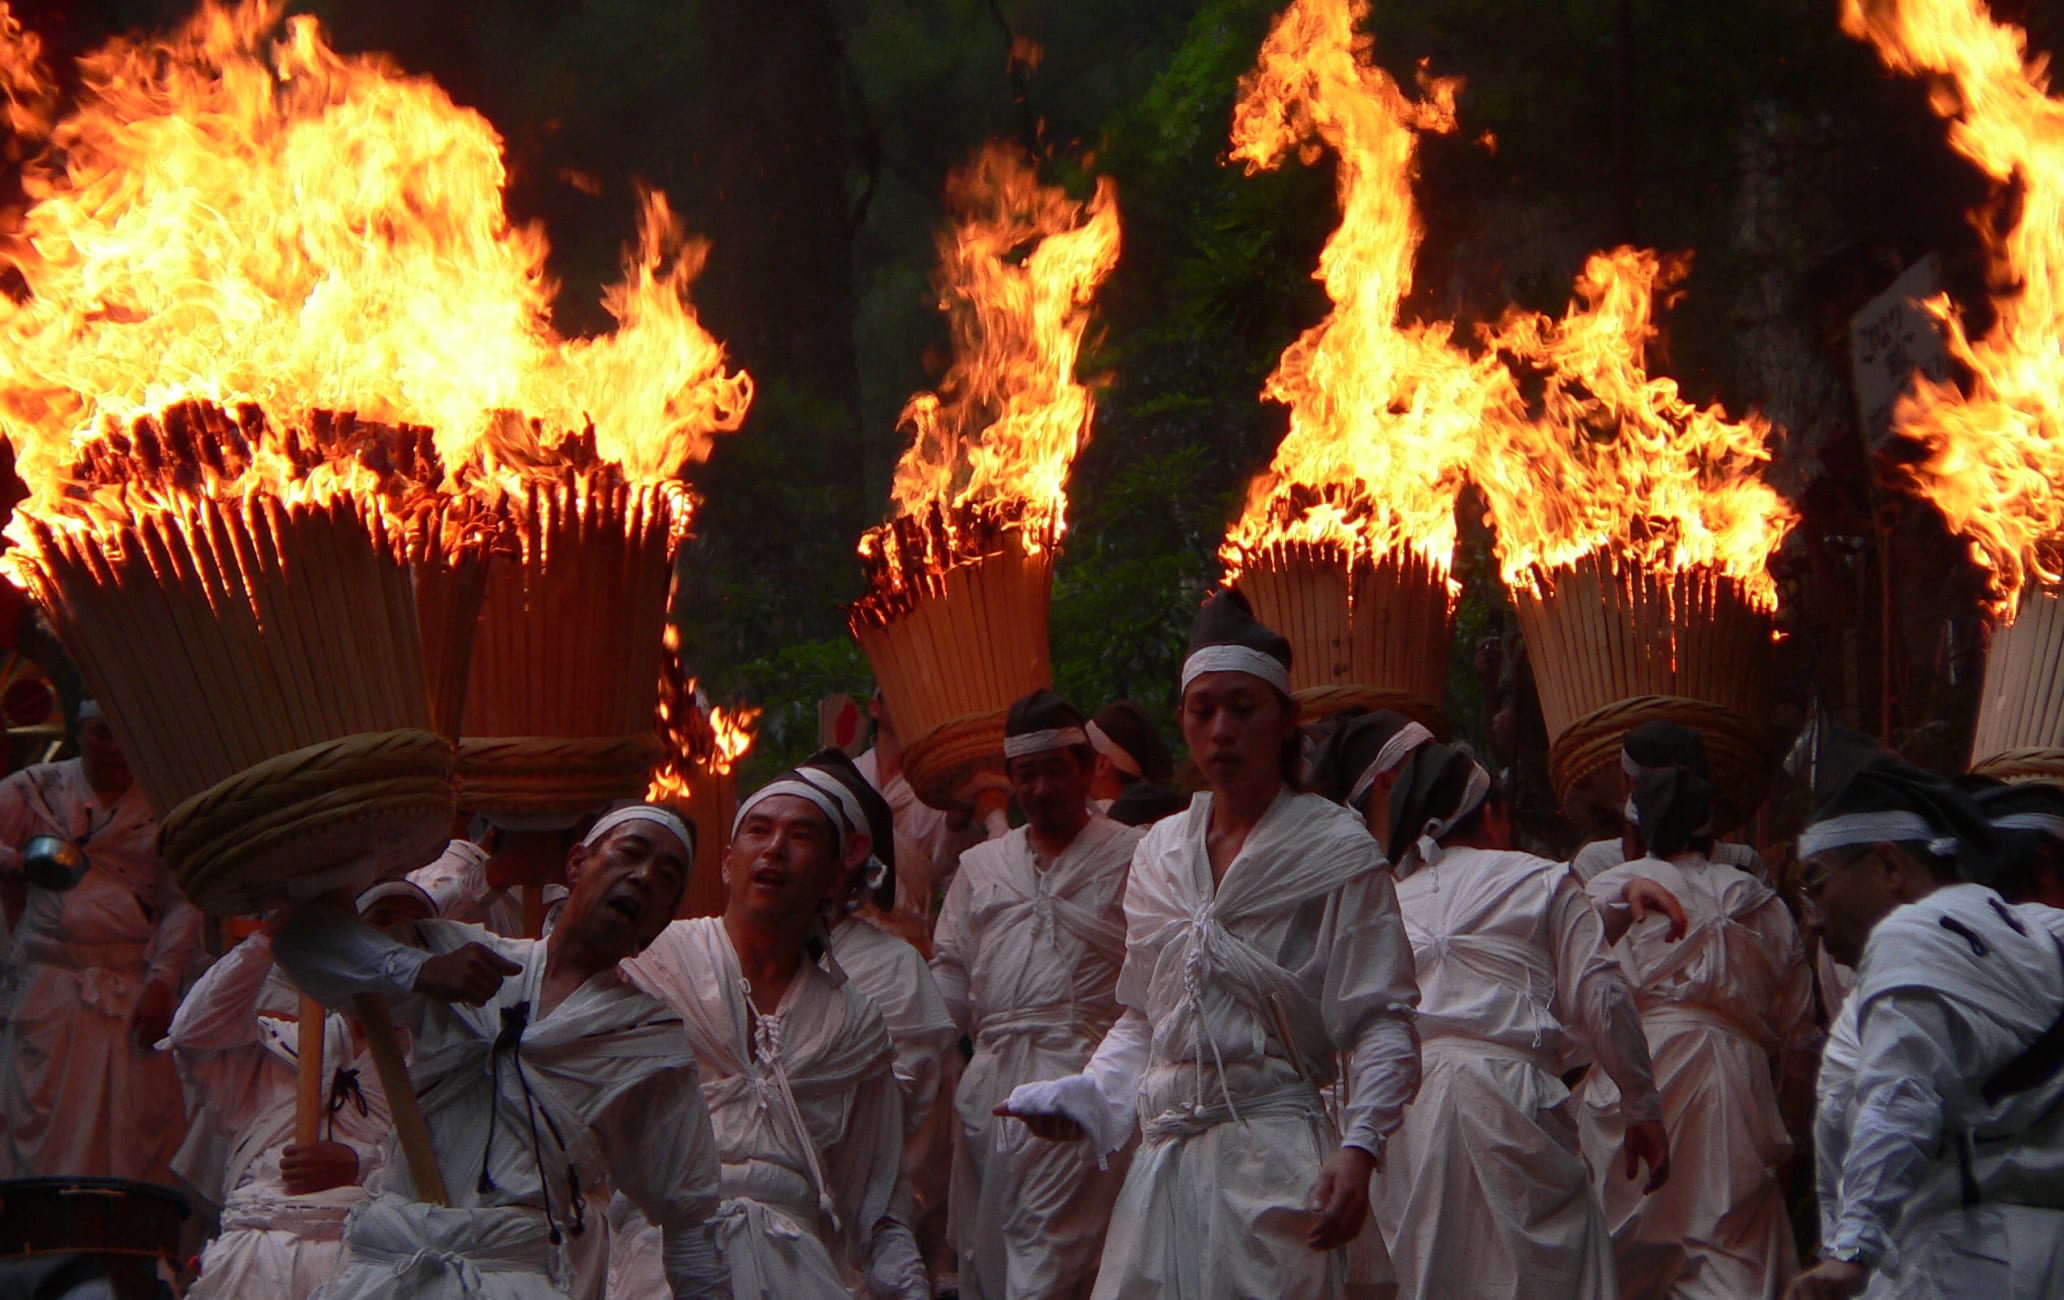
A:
x,y
954,619
1993,446
1346,542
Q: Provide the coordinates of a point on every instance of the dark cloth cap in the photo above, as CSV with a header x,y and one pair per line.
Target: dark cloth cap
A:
x,y
1145,803
1347,745
1958,830
1429,788
2005,798
1673,806
1042,710
1128,727
881,822
1663,743
1227,619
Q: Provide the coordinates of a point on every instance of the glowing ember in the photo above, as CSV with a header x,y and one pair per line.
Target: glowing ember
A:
x,y
1994,449
1384,416
991,448
700,739
1611,460
265,224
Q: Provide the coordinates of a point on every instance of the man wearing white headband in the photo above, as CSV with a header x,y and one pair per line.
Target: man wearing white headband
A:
x,y
1940,1131
1359,759
1027,952
796,1061
283,1204
542,1068
1488,1193
1650,747
2028,817
1264,959
98,961
1727,1005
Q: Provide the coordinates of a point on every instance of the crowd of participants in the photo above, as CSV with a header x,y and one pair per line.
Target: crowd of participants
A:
x,y
1318,1030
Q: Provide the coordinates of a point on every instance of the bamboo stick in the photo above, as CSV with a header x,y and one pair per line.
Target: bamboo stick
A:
x,y
308,1072
410,1129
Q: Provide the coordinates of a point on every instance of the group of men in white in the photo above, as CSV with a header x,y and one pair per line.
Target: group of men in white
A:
x,y
1323,1032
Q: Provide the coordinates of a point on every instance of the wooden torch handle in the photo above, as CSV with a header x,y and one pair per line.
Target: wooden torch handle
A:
x,y
409,1127
308,1072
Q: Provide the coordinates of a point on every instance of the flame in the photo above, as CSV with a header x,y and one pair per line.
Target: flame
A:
x,y
266,225
1018,270
699,739
1615,460
1384,416
1993,451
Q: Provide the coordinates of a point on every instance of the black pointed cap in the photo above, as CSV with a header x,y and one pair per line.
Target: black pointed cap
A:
x,y
1145,803
1128,727
1430,786
1227,619
881,822
1672,806
1347,747
1663,743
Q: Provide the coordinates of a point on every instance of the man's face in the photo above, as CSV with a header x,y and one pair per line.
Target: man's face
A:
x,y
1847,894
625,888
1236,726
1052,788
101,755
784,863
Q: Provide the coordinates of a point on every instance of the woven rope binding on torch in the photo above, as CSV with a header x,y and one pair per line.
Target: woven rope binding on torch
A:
x,y
306,811
1738,750
553,774
1318,702
2023,765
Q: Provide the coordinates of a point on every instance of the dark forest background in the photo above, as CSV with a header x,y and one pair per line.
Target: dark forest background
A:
x,y
809,139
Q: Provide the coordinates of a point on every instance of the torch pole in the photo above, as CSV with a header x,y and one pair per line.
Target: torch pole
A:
x,y
308,1072
409,1126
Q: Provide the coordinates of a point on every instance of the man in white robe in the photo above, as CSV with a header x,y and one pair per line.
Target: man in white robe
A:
x,y
1728,1010
536,1062
1655,746
283,1205
1941,1120
1027,952
1263,954
82,1092
1488,1192
797,1063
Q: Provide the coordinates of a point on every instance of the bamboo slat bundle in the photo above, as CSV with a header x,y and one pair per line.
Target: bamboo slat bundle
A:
x,y
261,666
711,804
954,624
1363,633
1614,646
2020,734
565,662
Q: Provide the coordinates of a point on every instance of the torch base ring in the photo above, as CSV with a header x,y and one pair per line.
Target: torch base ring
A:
x,y
553,774
318,817
1317,702
2023,765
1736,747
948,764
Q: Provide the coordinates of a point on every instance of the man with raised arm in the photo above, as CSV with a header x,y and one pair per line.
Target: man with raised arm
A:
x,y
796,1062
537,1063
1027,952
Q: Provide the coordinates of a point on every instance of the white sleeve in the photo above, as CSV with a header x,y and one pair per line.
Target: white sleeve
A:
x,y
950,959
1104,1098
221,1010
457,882
1598,1003
1369,1001
334,956
662,1156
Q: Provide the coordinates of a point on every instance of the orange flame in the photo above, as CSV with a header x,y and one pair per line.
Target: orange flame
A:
x,y
1993,456
1614,459
266,223
1018,270
1384,417
698,738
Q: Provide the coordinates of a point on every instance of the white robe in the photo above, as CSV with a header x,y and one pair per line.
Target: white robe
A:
x,y
1299,941
1487,1193
1027,953
1724,1007
604,1082
1946,1194
1603,855
77,1095
808,1124
240,1075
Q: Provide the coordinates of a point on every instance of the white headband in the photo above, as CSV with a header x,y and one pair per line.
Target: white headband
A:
x,y
837,803
1236,659
89,709
1395,750
396,889
1427,847
1038,742
1852,829
1100,740
2049,824
641,812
